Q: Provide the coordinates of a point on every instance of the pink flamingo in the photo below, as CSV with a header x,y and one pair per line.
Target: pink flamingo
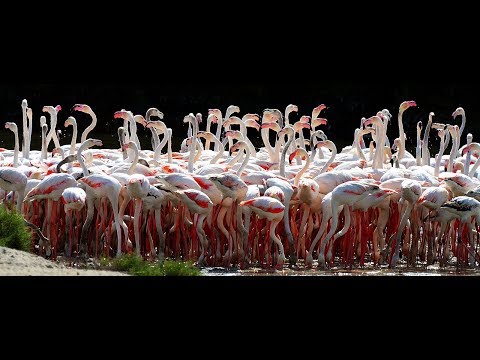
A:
x,y
73,199
14,180
272,210
99,186
87,110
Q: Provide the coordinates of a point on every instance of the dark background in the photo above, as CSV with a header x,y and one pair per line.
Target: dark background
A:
x,y
347,102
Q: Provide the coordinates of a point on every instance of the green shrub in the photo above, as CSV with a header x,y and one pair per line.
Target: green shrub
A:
x,y
13,232
135,265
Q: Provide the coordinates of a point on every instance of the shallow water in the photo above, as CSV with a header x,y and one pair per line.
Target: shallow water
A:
x,y
339,270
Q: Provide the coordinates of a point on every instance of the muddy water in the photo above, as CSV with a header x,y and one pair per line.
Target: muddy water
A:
x,y
339,270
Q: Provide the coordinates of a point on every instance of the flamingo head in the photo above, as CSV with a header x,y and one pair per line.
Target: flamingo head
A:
x,y
373,120
29,113
320,121
118,114
48,108
234,134
233,109
407,104
291,108
70,121
216,112
96,142
140,119
459,111
155,112
24,103
10,125
198,116
81,107
252,123
316,111
305,119
297,152
236,146
419,126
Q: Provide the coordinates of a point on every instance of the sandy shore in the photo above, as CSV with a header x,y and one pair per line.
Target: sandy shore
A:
x,y
19,263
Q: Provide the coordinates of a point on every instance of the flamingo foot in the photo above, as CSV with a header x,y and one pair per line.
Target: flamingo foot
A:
x,y
309,260
395,259
376,257
430,259
321,262
292,259
281,261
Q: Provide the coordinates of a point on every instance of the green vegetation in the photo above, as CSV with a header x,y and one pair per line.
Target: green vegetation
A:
x,y
135,265
13,232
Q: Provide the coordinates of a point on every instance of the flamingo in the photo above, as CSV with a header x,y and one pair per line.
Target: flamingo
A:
x,y
12,179
101,186
87,110
73,199
12,126
71,121
201,206
53,111
403,107
272,210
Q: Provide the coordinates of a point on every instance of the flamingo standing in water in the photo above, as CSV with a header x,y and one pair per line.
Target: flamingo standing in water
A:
x,y
200,206
73,199
99,186
51,188
272,210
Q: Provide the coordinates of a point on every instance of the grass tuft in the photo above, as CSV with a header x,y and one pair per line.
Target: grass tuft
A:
x,y
13,232
135,265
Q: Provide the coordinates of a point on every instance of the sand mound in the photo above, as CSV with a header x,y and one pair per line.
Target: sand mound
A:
x,y
19,263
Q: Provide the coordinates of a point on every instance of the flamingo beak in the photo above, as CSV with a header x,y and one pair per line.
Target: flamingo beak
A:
x,y
412,103
292,156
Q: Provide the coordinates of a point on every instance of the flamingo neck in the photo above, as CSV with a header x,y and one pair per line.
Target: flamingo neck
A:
x,y
90,127
219,131
401,150
193,145
245,161
15,154
425,151
356,143
330,161
169,146
74,138
134,148
284,153
220,151
25,150
301,172
83,147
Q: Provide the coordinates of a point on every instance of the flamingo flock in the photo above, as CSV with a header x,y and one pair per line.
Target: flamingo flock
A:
x,y
221,201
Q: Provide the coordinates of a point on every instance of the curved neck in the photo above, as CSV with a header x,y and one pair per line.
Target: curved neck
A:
x,y
401,148
266,141
90,127
462,127
85,145
425,152
301,172
74,138
161,145
207,140
474,168
356,143
330,161
284,153
220,152
453,153
53,132
134,148
439,156
245,161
